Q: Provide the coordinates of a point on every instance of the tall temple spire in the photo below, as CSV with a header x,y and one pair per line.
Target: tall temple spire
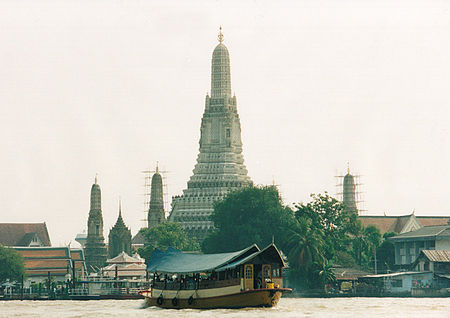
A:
x,y
220,71
349,192
95,248
156,213
220,163
96,196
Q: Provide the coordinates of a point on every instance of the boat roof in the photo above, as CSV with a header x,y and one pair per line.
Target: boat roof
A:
x,y
175,261
270,252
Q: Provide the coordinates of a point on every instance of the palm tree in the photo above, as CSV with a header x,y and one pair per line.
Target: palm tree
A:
x,y
304,244
325,273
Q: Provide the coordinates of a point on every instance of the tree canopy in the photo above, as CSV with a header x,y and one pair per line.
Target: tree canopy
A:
x,y
249,215
11,265
164,235
328,216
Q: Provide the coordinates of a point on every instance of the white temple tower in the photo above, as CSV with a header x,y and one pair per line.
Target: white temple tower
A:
x,y
220,164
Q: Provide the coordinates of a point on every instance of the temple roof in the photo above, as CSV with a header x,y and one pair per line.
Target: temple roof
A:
x,y
20,234
38,261
125,270
124,258
138,239
395,223
120,224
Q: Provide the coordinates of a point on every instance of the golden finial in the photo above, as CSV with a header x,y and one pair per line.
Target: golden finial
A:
x,y
220,37
348,167
96,175
157,166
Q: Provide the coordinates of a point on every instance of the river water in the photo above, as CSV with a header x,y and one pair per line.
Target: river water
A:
x,y
287,307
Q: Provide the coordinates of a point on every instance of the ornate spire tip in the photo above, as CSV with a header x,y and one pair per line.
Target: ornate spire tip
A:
x,y
220,36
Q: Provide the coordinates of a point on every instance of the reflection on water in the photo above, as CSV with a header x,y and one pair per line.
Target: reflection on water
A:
x,y
287,307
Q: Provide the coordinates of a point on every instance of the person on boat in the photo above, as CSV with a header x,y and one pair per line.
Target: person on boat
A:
x,y
259,280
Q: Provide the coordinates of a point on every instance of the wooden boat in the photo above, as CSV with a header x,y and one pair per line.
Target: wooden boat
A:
x,y
247,278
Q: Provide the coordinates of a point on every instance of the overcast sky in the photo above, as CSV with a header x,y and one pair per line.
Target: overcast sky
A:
x,y
112,87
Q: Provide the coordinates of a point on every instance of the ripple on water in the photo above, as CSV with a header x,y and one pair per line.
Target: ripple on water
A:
x,y
287,307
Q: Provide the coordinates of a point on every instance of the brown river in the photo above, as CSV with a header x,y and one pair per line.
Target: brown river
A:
x,y
287,307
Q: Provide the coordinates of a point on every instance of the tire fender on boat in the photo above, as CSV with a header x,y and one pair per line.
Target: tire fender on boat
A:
x,y
160,300
175,301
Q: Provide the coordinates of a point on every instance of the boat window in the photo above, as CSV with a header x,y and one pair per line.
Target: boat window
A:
x,y
266,273
248,272
275,272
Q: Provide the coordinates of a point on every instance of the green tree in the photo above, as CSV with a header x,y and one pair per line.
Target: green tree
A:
x,y
164,235
386,253
325,274
365,244
11,265
373,238
304,244
329,216
246,216
344,258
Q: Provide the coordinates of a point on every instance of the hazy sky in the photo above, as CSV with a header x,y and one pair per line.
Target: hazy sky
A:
x,y
111,87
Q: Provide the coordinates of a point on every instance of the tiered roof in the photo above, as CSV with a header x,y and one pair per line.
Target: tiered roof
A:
x,y
39,261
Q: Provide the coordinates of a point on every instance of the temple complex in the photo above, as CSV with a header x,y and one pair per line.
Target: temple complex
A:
x,y
95,248
119,239
220,163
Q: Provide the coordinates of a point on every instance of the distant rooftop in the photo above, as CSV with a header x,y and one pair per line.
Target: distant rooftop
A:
x,y
424,232
398,223
22,234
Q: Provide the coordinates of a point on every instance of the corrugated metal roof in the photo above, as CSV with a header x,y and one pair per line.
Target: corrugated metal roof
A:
x,y
437,255
394,274
347,273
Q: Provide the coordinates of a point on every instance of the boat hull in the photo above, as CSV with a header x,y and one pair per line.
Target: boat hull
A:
x,y
248,298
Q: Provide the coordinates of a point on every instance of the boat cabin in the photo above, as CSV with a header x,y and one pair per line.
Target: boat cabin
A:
x,y
248,269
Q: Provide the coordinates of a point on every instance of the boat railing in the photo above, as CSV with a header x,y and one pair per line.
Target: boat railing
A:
x,y
207,284
79,291
191,285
